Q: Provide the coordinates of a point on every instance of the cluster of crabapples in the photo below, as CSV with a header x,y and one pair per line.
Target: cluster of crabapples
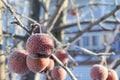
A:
x,y
99,72
37,57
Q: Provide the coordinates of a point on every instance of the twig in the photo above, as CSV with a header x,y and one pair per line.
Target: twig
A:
x,y
30,19
14,36
105,28
95,4
78,20
65,67
116,18
52,21
115,63
15,16
93,53
93,24
44,7
74,23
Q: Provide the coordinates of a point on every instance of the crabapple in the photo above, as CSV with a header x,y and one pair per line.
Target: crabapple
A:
x,y
112,75
17,62
73,12
99,72
39,44
58,73
51,64
62,56
37,65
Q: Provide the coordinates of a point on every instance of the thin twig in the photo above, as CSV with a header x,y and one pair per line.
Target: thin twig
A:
x,y
105,28
73,23
15,16
65,67
52,21
93,24
93,53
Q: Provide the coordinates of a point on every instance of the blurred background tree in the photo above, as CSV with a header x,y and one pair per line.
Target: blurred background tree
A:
x,y
78,26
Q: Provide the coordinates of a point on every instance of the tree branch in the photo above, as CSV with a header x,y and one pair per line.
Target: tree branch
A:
x,y
24,38
95,4
74,24
52,21
15,16
115,63
65,67
93,24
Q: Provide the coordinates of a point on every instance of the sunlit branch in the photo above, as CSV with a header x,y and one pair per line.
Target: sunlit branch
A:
x,y
74,24
93,24
65,67
15,16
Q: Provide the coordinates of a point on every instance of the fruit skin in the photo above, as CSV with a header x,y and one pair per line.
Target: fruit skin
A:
x,y
73,12
58,73
112,75
37,65
51,64
99,72
62,56
39,43
17,62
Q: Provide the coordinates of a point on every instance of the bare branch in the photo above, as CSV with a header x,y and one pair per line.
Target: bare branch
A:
x,y
15,16
65,67
30,19
93,24
95,4
52,21
93,53
105,28
15,36
73,24
115,63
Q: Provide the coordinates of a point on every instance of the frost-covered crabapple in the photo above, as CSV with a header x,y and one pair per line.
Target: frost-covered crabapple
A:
x,y
112,75
58,73
73,11
38,44
17,62
99,72
62,56
51,64
37,65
